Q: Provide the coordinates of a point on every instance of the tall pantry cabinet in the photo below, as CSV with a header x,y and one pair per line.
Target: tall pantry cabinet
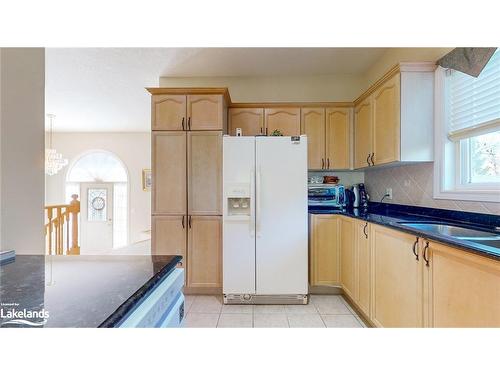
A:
x,y
186,145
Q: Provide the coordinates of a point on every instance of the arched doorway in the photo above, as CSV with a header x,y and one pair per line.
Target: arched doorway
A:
x,y
101,180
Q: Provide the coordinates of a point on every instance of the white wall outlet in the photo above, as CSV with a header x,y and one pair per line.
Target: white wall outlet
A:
x,y
388,192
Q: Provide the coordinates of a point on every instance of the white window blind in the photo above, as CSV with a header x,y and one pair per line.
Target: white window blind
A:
x,y
475,102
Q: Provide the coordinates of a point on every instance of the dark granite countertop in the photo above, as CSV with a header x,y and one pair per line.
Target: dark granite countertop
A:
x,y
390,215
78,291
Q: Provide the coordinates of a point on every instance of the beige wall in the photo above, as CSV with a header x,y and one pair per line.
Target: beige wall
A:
x,y
276,88
413,185
339,87
22,149
134,150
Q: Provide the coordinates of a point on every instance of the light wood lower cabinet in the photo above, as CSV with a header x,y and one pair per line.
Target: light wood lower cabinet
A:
x,y
249,120
204,172
462,289
362,239
169,236
204,252
348,256
169,169
396,279
324,267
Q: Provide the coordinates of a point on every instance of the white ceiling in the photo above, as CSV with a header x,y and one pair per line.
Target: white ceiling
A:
x,y
102,89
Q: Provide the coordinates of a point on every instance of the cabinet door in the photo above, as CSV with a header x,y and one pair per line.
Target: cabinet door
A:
x,y
396,280
205,112
204,173
348,257
313,125
169,236
363,265
168,112
286,120
386,122
250,120
169,172
362,133
324,250
205,251
463,289
338,140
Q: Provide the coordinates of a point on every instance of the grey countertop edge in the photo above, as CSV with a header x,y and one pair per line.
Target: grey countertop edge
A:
x,y
129,305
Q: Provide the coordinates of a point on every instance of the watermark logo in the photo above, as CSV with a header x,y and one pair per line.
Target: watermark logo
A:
x,y
12,315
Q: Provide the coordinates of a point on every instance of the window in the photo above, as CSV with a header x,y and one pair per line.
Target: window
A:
x,y
468,134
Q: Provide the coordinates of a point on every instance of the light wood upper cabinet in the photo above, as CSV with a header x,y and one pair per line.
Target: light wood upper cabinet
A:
x,y
396,280
205,112
313,125
168,112
463,290
362,133
286,120
386,122
205,252
363,266
348,257
324,250
250,120
169,172
338,131
204,172
169,236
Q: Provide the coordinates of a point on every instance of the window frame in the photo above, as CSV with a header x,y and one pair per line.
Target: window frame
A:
x,y
448,155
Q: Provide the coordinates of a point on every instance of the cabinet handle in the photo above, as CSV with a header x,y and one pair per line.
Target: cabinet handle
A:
x,y
415,249
261,131
368,160
328,163
183,123
364,230
322,163
183,223
189,222
426,248
371,158
189,123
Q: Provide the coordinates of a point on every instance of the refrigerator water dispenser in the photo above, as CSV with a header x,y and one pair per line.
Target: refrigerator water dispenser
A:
x,y
238,200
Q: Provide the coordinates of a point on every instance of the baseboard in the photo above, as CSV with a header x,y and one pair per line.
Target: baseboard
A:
x,y
325,289
202,291
358,311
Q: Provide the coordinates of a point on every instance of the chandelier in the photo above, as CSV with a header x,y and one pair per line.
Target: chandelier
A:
x,y
54,161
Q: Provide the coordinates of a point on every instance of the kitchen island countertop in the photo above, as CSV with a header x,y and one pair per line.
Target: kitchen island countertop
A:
x,y
77,290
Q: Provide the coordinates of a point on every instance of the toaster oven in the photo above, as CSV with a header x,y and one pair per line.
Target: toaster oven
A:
x,y
326,195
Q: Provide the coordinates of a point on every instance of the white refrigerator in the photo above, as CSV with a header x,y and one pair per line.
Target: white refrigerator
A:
x,y
265,222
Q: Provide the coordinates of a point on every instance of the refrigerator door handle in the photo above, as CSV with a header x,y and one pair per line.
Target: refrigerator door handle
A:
x,y
252,203
257,201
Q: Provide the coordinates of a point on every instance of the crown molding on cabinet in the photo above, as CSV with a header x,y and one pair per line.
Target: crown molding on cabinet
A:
x,y
424,66
191,91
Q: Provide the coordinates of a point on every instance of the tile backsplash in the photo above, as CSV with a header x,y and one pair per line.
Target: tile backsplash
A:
x,y
413,185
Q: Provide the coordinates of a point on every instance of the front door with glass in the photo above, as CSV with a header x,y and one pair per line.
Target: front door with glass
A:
x,y
96,217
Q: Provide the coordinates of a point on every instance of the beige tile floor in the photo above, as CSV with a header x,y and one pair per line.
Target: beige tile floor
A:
x,y
322,311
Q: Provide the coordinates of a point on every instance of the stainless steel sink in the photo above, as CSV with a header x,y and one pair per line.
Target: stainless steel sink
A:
x,y
451,230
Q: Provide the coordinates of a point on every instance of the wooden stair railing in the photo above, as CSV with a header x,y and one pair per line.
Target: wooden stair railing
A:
x,y
61,228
